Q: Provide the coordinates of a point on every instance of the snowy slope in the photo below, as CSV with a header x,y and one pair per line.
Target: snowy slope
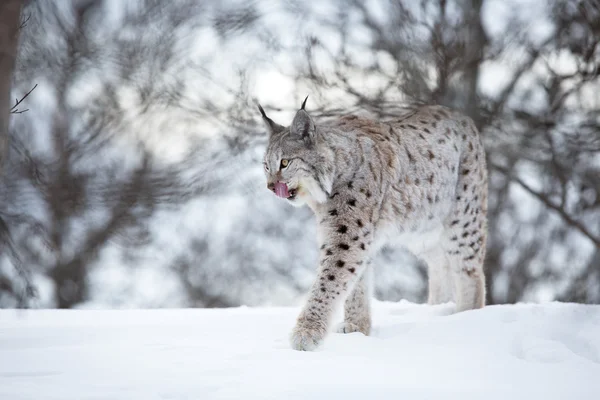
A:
x,y
529,352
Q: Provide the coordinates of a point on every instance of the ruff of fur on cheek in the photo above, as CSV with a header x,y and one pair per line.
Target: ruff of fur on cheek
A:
x,y
313,190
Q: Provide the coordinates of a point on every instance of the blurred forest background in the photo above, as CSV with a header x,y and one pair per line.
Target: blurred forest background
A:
x,y
131,175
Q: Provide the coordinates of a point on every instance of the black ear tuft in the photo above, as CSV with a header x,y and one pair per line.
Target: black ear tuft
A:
x,y
304,103
262,112
272,127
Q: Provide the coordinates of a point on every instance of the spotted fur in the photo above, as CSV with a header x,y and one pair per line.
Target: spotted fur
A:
x,y
419,181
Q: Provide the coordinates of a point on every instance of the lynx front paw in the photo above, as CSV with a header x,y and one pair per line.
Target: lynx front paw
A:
x,y
349,327
307,335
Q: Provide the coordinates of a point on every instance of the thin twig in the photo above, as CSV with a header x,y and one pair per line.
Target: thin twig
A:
x,y
24,23
14,109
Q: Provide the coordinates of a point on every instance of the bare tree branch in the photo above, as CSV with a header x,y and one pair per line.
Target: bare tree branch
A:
x,y
548,203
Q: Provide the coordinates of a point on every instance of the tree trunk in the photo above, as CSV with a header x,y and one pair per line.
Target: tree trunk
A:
x,y
10,13
476,41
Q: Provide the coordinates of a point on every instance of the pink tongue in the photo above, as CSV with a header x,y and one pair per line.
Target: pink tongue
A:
x,y
281,190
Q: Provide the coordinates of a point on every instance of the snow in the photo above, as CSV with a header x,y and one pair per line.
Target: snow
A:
x,y
524,351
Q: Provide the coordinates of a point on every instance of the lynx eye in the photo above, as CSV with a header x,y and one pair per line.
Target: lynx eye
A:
x,y
284,163
266,166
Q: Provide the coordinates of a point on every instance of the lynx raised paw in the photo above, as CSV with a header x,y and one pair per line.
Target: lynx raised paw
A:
x,y
349,327
307,335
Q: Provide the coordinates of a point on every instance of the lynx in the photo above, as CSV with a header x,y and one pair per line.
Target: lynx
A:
x,y
419,181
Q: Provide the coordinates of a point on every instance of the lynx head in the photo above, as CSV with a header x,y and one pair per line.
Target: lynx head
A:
x,y
295,162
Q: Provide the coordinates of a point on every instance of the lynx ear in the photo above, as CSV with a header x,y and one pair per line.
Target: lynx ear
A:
x,y
271,126
303,125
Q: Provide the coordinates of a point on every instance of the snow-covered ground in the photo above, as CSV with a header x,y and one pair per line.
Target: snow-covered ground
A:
x,y
549,351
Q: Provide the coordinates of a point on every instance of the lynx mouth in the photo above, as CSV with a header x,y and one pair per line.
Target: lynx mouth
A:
x,y
281,190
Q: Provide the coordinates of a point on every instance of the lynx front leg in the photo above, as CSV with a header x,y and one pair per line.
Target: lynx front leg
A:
x,y
347,238
357,309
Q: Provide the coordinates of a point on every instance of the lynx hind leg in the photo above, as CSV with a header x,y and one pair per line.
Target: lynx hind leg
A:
x,y
357,308
440,283
466,226
466,251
